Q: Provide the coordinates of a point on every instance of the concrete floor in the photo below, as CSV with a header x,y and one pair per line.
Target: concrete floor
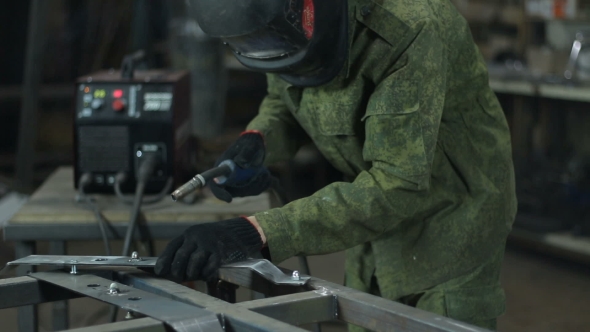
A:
x,y
543,294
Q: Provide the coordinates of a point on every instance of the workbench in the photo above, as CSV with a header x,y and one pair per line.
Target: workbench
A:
x,y
543,90
52,214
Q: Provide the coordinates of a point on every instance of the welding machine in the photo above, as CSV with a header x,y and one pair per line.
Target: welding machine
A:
x,y
122,116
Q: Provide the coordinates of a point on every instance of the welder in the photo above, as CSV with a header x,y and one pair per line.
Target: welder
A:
x,y
395,94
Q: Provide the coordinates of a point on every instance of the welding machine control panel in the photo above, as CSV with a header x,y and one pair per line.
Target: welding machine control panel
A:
x,y
112,101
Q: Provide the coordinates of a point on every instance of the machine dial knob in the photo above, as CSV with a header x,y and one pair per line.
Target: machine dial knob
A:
x,y
118,105
96,104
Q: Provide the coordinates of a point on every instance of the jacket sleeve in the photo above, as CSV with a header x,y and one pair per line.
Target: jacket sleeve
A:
x,y
401,128
283,135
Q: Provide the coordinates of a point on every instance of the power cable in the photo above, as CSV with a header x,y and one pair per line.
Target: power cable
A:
x,y
84,181
122,177
143,175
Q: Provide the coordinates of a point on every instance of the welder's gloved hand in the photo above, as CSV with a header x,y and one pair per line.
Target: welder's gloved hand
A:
x,y
247,152
202,249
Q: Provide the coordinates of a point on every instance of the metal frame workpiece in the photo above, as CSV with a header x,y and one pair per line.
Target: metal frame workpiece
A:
x,y
156,304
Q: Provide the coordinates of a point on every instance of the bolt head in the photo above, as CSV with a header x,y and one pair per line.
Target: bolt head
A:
x,y
134,255
295,275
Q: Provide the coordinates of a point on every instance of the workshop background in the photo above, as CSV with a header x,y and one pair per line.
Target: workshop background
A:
x,y
538,53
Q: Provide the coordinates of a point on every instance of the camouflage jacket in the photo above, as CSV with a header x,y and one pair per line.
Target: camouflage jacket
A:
x,y
412,120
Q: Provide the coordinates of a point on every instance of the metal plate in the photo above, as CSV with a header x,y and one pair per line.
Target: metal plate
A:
x,y
62,260
57,260
261,266
180,316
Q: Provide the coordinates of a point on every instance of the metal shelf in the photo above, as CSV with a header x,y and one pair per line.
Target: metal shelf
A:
x,y
553,91
559,244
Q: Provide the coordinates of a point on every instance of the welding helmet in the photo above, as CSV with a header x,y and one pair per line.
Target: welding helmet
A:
x,y
304,41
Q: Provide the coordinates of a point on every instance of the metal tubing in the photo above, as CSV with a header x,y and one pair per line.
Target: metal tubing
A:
x,y
378,314
360,308
296,309
60,308
185,309
136,325
24,291
27,315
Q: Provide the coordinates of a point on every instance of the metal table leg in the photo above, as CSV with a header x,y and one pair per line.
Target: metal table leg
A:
x,y
27,315
60,308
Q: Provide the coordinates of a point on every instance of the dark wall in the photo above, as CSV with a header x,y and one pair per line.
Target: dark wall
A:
x,y
13,16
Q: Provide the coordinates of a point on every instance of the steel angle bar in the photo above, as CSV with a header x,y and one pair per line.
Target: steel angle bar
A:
x,y
20,291
235,318
135,325
297,309
378,314
179,316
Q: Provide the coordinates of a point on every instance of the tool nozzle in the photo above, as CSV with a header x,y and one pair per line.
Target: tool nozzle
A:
x,y
187,188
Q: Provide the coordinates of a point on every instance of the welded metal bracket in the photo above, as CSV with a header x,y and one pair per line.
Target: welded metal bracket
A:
x,y
260,266
270,272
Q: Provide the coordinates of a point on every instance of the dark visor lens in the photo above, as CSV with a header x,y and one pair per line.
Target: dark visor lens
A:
x,y
265,44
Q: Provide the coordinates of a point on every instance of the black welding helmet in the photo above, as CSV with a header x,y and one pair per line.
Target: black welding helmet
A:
x,y
305,41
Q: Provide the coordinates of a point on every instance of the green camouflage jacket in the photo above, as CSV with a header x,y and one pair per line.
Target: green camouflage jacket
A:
x,y
412,120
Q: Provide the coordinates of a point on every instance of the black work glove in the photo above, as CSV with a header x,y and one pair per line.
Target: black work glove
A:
x,y
202,249
247,152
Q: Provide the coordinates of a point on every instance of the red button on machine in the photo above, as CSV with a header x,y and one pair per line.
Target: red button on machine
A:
x,y
118,105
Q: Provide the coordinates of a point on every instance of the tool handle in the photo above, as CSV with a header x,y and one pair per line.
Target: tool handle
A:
x,y
237,173
227,173
220,171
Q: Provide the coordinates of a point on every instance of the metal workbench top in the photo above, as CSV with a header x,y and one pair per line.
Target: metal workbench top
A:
x,y
53,207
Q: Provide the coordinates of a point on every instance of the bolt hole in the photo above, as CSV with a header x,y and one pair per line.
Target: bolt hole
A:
x,y
94,285
99,259
134,298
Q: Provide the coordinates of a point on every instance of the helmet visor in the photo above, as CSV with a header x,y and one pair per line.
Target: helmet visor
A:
x,y
265,44
288,33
